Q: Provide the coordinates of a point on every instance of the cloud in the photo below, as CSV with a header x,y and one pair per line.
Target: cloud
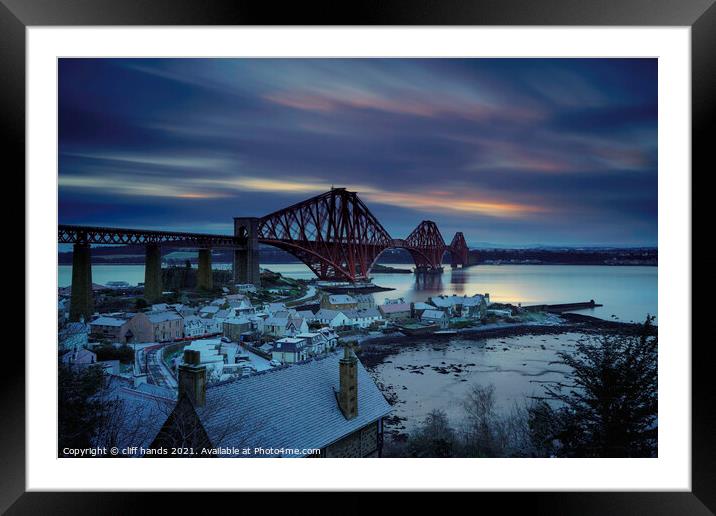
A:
x,y
563,148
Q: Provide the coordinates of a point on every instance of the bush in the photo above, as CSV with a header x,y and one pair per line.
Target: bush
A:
x,y
124,353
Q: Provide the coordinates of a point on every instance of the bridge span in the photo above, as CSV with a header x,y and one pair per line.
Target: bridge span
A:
x,y
333,233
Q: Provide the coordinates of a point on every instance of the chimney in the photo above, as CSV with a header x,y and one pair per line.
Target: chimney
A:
x,y
192,378
348,383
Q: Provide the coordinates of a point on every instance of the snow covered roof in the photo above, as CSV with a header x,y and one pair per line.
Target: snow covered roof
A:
x,y
108,321
392,308
247,412
341,299
159,317
327,314
140,413
434,314
366,313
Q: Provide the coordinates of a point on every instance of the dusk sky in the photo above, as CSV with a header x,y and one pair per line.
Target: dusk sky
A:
x,y
510,151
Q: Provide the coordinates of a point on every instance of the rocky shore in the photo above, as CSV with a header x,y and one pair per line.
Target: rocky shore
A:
x,y
373,350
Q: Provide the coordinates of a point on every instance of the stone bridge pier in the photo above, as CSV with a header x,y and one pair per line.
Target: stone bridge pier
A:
x,y
153,273
81,302
204,275
246,260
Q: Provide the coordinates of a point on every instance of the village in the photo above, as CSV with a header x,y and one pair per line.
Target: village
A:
x,y
256,339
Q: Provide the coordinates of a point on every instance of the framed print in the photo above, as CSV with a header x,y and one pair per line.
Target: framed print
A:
x,y
436,247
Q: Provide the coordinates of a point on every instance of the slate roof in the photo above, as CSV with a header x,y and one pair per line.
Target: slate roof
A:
x,y
288,407
139,414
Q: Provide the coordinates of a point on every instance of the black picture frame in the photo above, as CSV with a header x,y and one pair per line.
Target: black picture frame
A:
x,y
700,15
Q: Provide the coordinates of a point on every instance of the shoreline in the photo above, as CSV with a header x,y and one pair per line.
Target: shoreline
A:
x,y
374,349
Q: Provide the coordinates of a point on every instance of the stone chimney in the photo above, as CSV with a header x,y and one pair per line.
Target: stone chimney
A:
x,y
348,383
192,378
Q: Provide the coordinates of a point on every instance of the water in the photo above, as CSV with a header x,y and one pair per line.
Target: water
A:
x,y
629,293
427,374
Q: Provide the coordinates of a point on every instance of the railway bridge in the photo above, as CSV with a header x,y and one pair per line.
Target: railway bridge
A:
x,y
333,233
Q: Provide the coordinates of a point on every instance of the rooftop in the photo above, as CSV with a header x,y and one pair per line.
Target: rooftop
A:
x,y
248,412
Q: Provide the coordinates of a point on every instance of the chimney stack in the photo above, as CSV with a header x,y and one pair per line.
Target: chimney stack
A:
x,y
192,378
348,383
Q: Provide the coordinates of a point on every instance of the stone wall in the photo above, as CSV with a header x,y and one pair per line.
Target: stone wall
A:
x,y
361,443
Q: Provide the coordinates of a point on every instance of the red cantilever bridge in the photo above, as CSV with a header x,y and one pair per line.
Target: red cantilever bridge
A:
x,y
333,233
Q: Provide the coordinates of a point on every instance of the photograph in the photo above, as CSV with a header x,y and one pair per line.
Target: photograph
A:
x,y
357,257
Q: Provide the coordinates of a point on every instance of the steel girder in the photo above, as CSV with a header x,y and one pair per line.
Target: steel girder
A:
x,y
67,234
334,234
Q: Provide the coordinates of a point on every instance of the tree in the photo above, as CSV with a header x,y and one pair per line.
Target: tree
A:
x,y
79,409
433,438
610,406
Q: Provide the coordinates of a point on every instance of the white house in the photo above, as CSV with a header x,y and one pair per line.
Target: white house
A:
x,y
363,318
289,350
284,323
331,318
193,326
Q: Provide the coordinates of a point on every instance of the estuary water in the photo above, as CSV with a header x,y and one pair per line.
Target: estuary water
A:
x,y
628,293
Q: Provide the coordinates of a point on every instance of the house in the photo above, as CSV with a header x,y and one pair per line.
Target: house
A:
x,y
166,326
363,318
364,301
316,342
284,323
334,408
289,350
438,317
331,318
193,326
330,336
421,307
272,308
338,302
124,328
73,336
308,315
395,311
79,358
208,310
213,318
110,328
245,287
214,355
241,306
464,306
233,327
395,301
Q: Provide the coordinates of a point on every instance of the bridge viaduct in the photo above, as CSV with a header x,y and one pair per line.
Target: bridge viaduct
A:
x,y
333,233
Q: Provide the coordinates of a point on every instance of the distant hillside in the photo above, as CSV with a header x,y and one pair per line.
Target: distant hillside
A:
x,y
543,255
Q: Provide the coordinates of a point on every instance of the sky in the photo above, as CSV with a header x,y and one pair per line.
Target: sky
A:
x,y
512,152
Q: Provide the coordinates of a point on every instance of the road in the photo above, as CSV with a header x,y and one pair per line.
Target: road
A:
x,y
157,372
